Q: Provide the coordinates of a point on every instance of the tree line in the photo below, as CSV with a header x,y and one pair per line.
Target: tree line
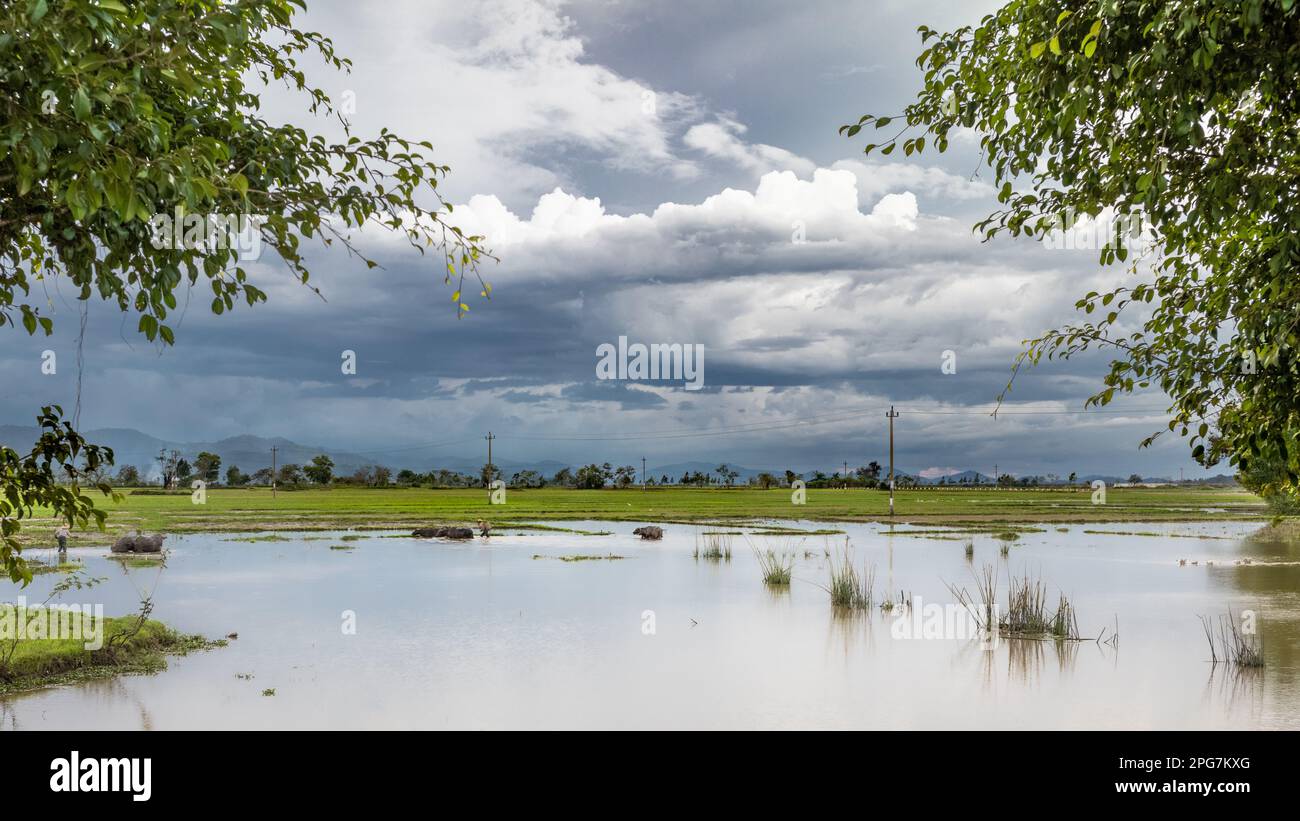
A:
x,y
176,471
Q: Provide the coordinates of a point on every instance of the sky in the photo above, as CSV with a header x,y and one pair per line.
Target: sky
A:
x,y
669,173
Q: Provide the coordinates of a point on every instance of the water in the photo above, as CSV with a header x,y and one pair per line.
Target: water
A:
x,y
483,635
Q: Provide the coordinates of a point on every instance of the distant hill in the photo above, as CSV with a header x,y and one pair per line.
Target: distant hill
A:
x,y
132,447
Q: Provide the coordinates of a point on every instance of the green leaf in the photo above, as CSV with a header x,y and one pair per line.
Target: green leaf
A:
x,y
81,104
1037,49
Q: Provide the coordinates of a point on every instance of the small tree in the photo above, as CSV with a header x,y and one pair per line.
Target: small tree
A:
x,y
321,469
168,460
727,473
207,466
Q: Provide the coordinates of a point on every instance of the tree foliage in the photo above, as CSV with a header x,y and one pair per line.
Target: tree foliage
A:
x,y
1185,112
47,478
116,113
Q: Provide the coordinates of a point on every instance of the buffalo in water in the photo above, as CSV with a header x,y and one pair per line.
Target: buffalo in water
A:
x,y
139,544
443,532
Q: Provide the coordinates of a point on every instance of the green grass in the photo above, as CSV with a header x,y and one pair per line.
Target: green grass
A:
x,y
254,509
849,589
582,557
37,663
777,568
716,547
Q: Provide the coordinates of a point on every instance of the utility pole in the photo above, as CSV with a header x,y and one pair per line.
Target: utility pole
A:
x,y
995,476
846,474
487,478
643,473
892,415
273,450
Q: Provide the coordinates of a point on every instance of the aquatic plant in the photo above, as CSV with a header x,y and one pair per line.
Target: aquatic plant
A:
x,y
848,588
777,568
717,547
1233,643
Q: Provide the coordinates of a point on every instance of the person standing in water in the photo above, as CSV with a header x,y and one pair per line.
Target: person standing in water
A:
x,y
62,536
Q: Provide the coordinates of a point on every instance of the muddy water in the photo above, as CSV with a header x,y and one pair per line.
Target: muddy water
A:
x,y
484,635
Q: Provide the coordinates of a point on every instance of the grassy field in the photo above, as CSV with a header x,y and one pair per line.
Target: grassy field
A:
x,y
255,509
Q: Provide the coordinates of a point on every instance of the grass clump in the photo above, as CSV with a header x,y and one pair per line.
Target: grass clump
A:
x,y
715,547
850,589
1027,614
777,568
1232,643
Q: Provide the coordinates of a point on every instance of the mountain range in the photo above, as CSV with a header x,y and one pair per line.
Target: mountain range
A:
x,y
249,453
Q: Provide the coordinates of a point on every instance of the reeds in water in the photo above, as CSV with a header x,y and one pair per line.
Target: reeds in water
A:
x,y
1027,614
848,588
777,568
1231,643
716,547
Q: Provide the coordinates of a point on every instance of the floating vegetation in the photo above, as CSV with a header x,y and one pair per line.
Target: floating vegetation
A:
x,y
723,533
848,588
342,547
963,531
903,602
269,537
715,547
40,568
783,531
1063,530
1233,643
138,560
1158,535
269,691
555,529
1007,536
581,557
352,537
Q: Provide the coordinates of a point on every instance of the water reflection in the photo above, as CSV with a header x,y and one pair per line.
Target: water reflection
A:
x,y
481,635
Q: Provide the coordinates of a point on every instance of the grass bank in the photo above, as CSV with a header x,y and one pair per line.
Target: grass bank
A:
x,y
34,663
254,509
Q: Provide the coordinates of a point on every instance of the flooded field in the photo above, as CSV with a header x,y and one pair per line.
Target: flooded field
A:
x,y
397,632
